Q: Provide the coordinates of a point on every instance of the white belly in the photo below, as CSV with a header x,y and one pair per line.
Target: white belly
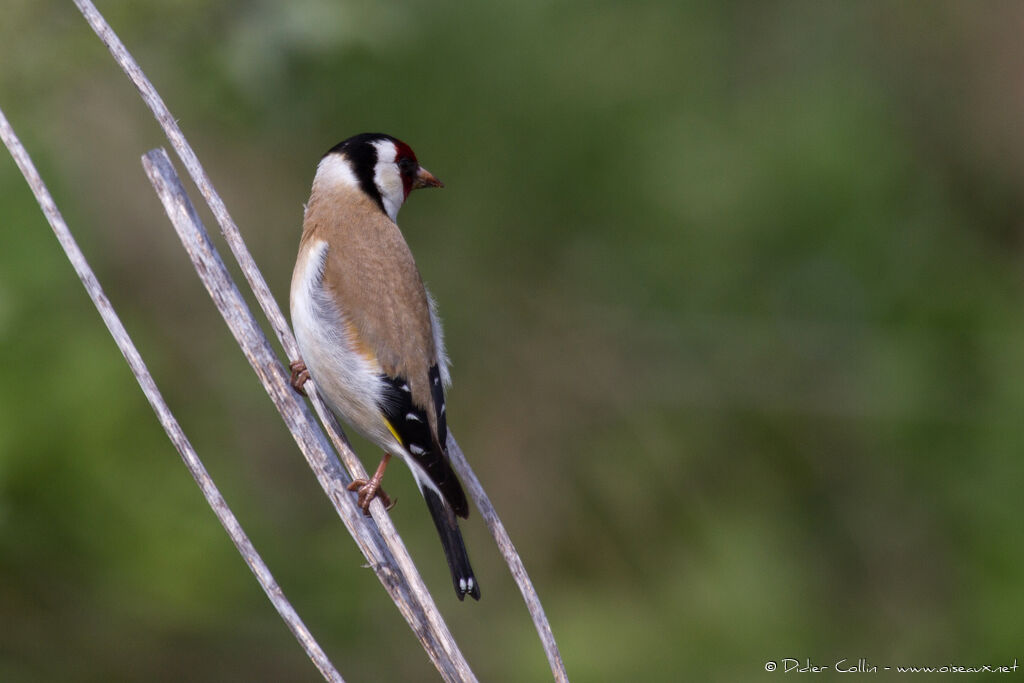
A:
x,y
349,381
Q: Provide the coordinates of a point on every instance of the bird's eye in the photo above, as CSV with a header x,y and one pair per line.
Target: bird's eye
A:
x,y
407,165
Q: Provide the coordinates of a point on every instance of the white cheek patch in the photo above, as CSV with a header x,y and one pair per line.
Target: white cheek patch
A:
x,y
388,179
386,151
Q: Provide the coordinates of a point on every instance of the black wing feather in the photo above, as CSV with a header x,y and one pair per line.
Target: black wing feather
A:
x,y
410,423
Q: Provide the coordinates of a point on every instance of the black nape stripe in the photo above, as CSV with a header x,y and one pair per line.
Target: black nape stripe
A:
x,y
361,153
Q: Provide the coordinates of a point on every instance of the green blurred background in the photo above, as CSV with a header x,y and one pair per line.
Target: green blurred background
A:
x,y
733,292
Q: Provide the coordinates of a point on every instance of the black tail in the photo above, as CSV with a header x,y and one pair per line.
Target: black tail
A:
x,y
454,547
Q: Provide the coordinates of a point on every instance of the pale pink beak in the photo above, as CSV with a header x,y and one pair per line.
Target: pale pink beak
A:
x,y
425,178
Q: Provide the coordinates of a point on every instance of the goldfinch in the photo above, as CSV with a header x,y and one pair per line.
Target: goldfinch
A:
x,y
368,330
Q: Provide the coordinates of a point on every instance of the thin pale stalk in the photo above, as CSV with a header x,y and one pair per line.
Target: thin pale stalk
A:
x,y
160,407
266,300
508,551
233,237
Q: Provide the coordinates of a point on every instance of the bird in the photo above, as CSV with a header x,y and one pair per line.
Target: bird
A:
x,y
368,331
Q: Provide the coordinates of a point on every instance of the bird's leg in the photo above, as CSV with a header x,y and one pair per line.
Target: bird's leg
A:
x,y
299,375
368,490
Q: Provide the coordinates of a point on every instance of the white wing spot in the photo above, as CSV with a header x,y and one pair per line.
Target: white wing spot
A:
x,y
413,416
416,450
405,388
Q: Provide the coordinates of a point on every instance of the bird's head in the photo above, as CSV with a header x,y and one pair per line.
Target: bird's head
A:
x,y
383,167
